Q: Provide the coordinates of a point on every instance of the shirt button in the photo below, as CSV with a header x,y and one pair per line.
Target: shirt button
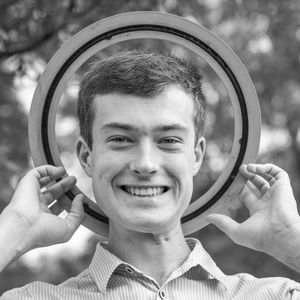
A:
x,y
129,270
162,294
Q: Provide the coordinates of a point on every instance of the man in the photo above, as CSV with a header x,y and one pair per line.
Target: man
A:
x,y
141,120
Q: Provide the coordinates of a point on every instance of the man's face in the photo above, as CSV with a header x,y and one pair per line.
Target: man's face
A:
x,y
143,158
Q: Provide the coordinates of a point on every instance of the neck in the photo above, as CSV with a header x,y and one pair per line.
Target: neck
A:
x,y
156,255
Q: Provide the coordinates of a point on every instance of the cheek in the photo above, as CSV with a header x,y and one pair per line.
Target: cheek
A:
x,y
106,166
181,170
104,169
181,164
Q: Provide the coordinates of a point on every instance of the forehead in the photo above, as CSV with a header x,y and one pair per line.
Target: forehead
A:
x,y
172,106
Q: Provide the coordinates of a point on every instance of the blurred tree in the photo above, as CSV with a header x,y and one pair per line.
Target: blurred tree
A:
x,y
265,35
14,145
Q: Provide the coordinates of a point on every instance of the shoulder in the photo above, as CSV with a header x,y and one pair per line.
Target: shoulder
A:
x,y
27,292
244,284
39,290
72,288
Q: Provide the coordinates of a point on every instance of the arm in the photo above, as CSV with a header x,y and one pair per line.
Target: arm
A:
x,y
28,223
273,226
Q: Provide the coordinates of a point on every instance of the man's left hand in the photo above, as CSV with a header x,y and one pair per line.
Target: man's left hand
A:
x,y
273,226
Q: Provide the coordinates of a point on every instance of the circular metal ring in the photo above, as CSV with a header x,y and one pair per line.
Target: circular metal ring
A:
x,y
154,25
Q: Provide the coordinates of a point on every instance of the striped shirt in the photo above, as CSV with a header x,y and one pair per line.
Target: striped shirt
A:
x,y
197,278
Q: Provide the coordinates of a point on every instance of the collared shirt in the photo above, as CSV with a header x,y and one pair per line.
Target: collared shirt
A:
x,y
197,278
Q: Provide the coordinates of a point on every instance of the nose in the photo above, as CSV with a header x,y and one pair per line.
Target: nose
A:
x,y
145,160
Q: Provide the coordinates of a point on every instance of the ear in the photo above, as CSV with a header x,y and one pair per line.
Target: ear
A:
x,y
199,154
84,152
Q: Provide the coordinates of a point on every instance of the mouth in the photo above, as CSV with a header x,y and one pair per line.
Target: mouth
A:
x,y
144,191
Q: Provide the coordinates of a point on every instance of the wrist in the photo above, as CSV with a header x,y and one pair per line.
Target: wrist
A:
x,y
13,237
287,246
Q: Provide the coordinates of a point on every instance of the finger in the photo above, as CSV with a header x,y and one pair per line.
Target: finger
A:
x,y
45,181
55,208
33,177
224,223
76,216
249,197
56,190
249,194
271,173
47,198
248,170
250,173
47,171
272,182
270,169
274,172
253,188
266,176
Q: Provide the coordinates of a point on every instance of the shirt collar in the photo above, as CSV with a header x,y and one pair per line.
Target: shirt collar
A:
x,y
199,257
104,263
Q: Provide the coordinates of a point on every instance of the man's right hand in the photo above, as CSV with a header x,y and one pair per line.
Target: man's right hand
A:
x,y
28,223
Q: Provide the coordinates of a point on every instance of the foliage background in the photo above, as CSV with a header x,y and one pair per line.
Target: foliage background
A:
x,y
264,34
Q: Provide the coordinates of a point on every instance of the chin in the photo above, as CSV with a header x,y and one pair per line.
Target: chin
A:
x,y
150,225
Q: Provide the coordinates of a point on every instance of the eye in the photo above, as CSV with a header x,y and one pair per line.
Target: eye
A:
x,y
119,139
170,141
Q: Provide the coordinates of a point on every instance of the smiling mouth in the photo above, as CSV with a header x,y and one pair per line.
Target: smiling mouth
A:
x,y
144,191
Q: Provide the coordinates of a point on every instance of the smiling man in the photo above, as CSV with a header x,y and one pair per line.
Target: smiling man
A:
x,y
141,120
142,150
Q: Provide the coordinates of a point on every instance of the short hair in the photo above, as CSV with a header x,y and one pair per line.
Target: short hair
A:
x,y
139,73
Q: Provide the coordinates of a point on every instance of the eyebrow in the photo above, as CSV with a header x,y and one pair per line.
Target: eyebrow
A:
x,y
158,127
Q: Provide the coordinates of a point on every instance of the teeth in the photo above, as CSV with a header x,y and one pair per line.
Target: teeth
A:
x,y
144,192
137,191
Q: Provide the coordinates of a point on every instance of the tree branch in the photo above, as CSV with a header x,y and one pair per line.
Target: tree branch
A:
x,y
42,39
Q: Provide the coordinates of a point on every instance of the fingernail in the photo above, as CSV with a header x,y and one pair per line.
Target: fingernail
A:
x,y
74,178
243,167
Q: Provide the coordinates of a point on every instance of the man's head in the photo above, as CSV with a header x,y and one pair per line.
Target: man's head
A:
x,y
139,73
139,143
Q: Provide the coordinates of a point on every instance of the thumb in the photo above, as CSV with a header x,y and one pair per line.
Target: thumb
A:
x,y
76,215
224,223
